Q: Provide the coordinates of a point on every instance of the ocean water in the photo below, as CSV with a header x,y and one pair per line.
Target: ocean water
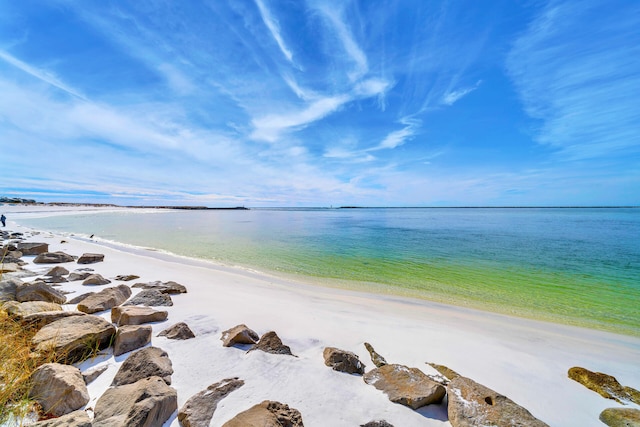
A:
x,y
577,266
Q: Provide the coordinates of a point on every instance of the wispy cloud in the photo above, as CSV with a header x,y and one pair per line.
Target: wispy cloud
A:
x,y
451,97
274,28
399,137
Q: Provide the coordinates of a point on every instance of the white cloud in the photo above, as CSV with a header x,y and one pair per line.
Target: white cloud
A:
x,y
179,82
399,137
451,97
274,28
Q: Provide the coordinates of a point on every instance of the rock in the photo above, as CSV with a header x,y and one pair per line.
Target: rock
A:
x,y
145,363
52,258
131,337
92,374
472,404
9,259
78,276
38,320
407,386
95,280
74,338
9,267
127,277
621,417
164,287
32,248
57,271
39,291
59,389
22,309
179,331
73,419
342,361
90,258
8,289
271,343
105,299
449,374
199,409
380,423
605,385
134,315
148,402
240,334
80,298
150,297
55,279
375,357
267,414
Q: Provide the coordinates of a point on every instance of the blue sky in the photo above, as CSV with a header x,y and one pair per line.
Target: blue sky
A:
x,y
320,102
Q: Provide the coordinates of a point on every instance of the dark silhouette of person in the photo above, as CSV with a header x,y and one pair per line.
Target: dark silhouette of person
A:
x,y
3,219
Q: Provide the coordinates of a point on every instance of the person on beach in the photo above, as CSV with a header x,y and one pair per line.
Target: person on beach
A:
x,y
3,219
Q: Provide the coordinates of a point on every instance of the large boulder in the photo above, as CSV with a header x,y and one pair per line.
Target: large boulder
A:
x,y
605,385
148,402
621,417
59,389
377,360
150,297
407,386
52,258
80,298
81,275
271,343
240,334
74,338
8,289
57,271
164,287
472,404
267,414
135,315
22,309
90,258
131,337
342,361
148,362
39,291
38,320
95,280
33,248
105,299
73,419
199,409
179,331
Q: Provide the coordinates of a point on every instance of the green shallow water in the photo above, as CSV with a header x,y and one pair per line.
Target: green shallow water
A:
x,y
573,266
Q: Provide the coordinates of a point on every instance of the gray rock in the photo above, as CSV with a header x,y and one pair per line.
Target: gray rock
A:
x,y
78,276
375,357
33,248
80,298
57,271
73,419
199,409
472,404
127,277
52,258
8,289
135,315
58,388
179,331
150,297
22,309
131,337
267,414
379,423
342,361
105,299
91,375
621,417
271,343
145,363
240,334
95,280
164,287
39,291
148,402
406,386
90,258
38,320
9,267
55,279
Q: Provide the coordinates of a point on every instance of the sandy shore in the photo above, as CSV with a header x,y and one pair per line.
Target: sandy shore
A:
x,y
523,359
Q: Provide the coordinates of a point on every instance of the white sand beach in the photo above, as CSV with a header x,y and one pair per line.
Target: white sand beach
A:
x,y
523,359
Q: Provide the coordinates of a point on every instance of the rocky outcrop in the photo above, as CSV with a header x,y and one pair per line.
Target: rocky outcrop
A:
x,y
39,291
406,386
267,414
621,417
105,299
148,362
52,258
131,337
164,287
472,404
74,338
33,248
151,298
199,409
148,402
22,309
271,343
38,320
95,280
605,385
90,258
375,357
179,331
135,315
59,389
73,419
126,277
342,361
240,334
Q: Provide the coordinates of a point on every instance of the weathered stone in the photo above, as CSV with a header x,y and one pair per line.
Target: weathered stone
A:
x,y
92,374
131,337
148,402
55,279
22,309
179,331
57,271
164,287
449,374
148,362
8,289
90,258
80,298
52,258
406,386
135,315
9,267
472,404
95,280
78,276
199,409
58,388
73,419
150,297
74,338
39,291
342,361
605,385
267,414
9,259
33,248
621,417
379,423
375,357
38,320
271,343
240,334
105,299
127,277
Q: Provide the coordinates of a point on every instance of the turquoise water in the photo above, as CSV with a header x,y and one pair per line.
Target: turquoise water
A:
x,y
577,266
